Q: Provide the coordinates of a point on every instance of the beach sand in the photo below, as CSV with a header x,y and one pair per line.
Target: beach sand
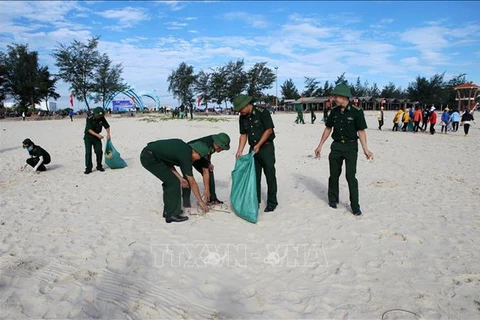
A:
x,y
96,246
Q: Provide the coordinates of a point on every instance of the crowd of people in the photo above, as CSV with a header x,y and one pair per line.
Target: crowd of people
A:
x,y
417,119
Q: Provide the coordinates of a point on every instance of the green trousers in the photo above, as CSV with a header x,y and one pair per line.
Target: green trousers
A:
x,y
349,153
300,118
265,160
171,184
97,147
187,191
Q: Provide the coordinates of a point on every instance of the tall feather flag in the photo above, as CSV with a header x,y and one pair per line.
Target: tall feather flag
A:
x,y
71,99
199,99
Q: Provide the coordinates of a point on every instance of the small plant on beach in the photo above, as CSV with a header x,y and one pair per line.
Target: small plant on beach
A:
x,y
198,119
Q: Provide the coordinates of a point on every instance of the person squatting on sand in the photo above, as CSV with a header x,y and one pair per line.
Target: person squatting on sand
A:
x,y
215,143
39,157
160,158
92,137
346,121
256,126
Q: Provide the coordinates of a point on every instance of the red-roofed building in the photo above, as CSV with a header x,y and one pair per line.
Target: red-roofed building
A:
x,y
467,95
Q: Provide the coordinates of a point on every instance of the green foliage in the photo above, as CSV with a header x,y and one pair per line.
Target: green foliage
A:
x,y
312,88
181,83
77,64
390,91
289,90
23,79
108,80
47,85
259,78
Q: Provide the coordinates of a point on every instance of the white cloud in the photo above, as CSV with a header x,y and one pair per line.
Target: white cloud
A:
x,y
126,17
254,20
190,18
173,5
175,25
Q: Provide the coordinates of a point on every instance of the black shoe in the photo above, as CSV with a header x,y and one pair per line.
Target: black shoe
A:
x,y
187,205
87,171
164,215
214,202
357,213
100,169
332,204
269,209
176,219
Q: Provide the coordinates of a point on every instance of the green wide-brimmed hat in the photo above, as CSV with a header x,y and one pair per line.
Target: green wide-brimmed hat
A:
x,y
98,111
222,140
241,101
342,90
200,147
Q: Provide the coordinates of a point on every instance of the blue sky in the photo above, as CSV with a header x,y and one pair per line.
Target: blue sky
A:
x,y
374,40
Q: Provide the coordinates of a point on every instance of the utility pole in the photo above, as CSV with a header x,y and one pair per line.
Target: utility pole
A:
x,y
276,87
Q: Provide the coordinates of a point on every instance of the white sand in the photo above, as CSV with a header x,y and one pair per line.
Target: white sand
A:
x,y
77,246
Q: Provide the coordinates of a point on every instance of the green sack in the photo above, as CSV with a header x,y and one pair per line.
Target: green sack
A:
x,y
243,195
112,157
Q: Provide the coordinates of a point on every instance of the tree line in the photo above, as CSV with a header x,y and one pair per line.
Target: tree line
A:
x,y
219,85
433,91
93,77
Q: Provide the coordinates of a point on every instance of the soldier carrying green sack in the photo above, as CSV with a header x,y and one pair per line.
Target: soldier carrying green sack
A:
x,y
93,138
256,127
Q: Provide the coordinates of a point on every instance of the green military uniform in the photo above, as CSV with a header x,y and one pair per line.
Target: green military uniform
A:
x,y
254,125
199,165
299,114
90,140
313,117
345,124
158,157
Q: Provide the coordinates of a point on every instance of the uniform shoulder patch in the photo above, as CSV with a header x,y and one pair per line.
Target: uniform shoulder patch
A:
x,y
260,109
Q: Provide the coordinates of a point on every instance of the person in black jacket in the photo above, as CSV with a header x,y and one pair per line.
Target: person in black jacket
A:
x,y
39,157
467,119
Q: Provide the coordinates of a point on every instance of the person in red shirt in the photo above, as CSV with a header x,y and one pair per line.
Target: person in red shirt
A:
x,y
432,119
417,118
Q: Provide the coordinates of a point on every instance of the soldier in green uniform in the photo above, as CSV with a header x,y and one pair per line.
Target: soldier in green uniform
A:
x,y
313,117
160,158
347,121
215,143
299,119
39,157
93,138
256,126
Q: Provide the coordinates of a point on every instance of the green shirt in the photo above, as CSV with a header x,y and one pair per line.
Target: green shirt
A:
x,y
173,152
255,124
95,125
205,161
346,123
